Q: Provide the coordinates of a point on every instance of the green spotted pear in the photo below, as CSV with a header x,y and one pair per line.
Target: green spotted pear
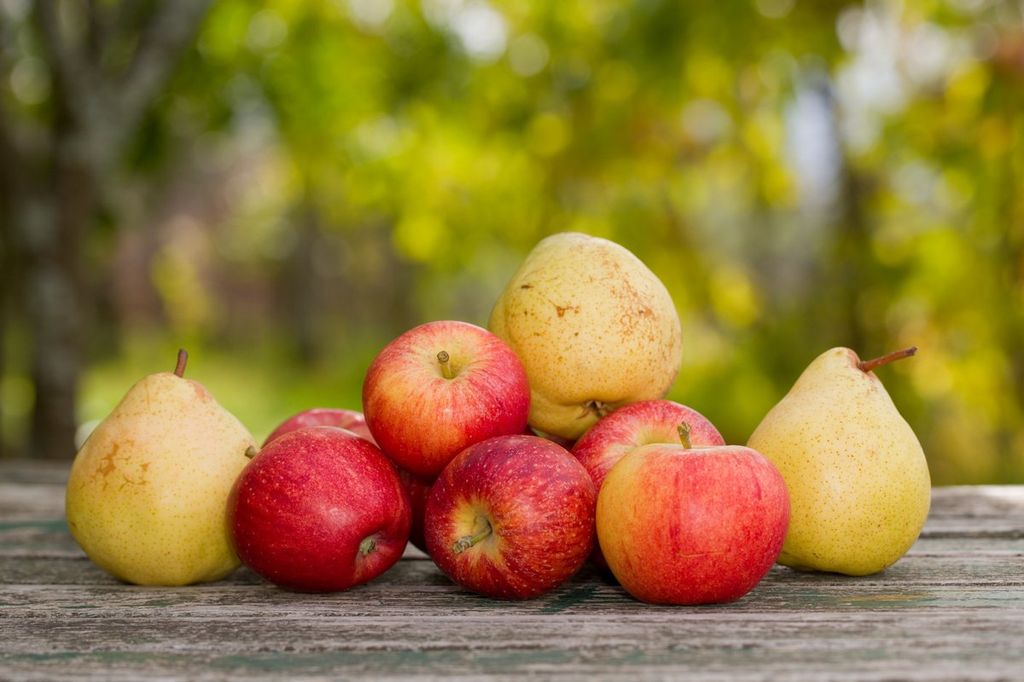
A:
x,y
858,480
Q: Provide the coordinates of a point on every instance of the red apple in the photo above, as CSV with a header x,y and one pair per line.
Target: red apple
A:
x,y
511,517
682,525
354,422
439,388
319,509
324,416
632,426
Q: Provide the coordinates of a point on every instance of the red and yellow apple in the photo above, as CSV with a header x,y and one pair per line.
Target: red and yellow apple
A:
x,y
633,426
439,388
682,525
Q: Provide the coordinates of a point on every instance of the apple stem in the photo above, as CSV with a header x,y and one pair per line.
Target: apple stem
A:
x,y
251,451
446,368
467,541
179,368
868,365
367,545
684,435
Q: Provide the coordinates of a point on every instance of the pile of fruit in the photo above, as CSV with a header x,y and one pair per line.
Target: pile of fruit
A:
x,y
512,456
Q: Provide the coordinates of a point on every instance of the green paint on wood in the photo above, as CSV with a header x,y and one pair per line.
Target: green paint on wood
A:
x,y
394,660
573,597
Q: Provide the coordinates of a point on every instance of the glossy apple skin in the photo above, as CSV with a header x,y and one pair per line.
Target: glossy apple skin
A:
x,y
324,416
539,502
422,419
695,526
301,508
352,420
633,426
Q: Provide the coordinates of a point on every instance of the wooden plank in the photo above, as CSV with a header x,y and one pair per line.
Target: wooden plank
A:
x,y
31,502
413,622
30,471
952,609
925,583
705,644
929,562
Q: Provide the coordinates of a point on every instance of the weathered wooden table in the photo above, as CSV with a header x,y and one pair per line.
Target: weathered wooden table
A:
x,y
952,609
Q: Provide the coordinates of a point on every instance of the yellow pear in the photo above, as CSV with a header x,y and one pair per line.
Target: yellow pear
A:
x,y
147,494
594,327
858,480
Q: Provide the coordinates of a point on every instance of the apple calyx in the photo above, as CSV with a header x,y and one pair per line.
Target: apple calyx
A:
x,y
467,541
868,365
368,545
684,435
179,368
251,451
443,359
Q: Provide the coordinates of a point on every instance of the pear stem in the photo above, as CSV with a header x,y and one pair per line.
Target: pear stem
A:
x,y
251,451
179,369
467,541
684,435
446,368
367,545
868,365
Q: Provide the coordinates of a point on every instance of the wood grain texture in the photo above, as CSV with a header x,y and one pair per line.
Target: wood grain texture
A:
x,y
953,608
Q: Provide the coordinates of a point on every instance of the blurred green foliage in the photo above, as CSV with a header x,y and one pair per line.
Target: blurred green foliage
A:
x,y
322,175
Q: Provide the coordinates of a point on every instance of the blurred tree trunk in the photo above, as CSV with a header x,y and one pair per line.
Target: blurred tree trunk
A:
x,y
7,277
849,256
57,298
4,282
302,286
55,172
17,175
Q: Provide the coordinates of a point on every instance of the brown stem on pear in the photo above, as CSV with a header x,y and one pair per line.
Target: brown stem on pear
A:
x,y
868,365
684,435
179,369
251,451
467,541
599,408
367,545
446,368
